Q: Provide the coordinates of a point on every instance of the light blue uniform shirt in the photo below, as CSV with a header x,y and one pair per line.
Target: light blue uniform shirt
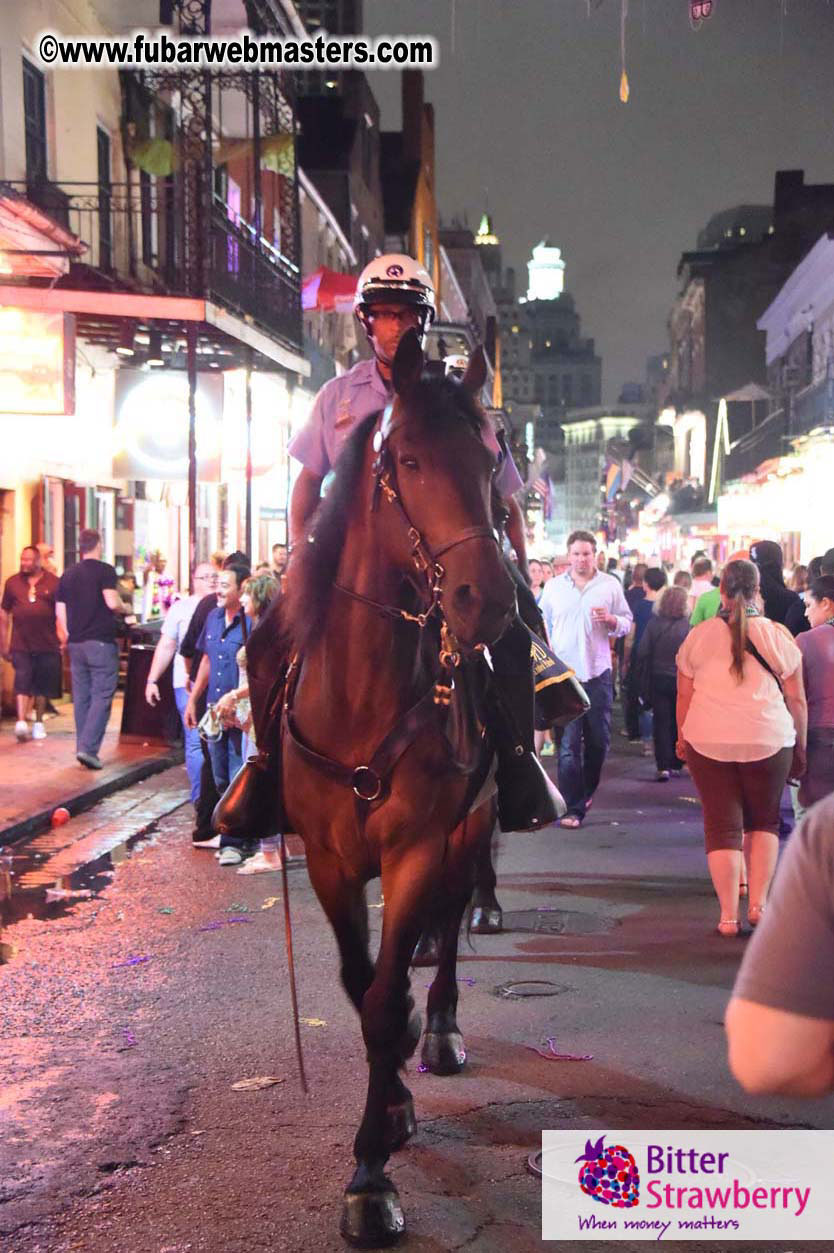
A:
x,y
343,403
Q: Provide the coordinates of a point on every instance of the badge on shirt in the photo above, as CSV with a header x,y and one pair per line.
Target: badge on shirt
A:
x,y
343,416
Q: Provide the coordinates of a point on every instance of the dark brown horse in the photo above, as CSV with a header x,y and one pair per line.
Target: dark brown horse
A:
x,y
402,543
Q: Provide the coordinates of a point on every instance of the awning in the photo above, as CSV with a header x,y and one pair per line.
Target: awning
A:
x,y
327,291
32,245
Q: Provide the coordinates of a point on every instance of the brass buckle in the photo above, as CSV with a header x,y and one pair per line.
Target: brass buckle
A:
x,y
362,777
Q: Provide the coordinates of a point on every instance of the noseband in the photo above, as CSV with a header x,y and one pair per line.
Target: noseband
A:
x,y
424,558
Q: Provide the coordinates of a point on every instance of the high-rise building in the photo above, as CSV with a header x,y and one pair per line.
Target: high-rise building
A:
x,y
545,359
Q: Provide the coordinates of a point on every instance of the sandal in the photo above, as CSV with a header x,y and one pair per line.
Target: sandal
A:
x,y
571,821
728,927
742,890
754,914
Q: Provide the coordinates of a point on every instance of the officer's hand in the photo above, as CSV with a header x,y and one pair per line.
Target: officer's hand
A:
x,y
152,693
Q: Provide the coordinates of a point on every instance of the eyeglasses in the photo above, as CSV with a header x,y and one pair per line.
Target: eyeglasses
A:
x,y
406,317
205,578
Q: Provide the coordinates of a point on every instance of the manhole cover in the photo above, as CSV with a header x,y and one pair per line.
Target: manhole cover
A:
x,y
530,987
557,922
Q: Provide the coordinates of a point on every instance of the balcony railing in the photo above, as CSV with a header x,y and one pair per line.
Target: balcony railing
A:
x,y
134,232
813,407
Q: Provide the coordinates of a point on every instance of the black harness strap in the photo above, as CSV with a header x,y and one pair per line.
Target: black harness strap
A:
x,y
370,782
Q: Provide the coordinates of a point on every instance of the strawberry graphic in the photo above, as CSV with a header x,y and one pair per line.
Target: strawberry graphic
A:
x,y
609,1175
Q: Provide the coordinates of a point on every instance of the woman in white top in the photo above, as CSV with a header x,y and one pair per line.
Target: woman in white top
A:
x,y
742,724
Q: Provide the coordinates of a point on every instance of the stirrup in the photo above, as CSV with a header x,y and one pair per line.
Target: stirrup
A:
x,y
527,799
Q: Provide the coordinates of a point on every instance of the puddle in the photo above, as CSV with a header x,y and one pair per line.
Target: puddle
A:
x,y
55,898
549,921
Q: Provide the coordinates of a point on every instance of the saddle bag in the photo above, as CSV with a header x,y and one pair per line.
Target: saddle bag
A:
x,y
560,697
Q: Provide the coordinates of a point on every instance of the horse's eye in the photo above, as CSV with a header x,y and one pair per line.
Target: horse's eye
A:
x,y
410,463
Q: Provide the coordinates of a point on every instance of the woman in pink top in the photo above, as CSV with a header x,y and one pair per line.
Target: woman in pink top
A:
x,y
742,721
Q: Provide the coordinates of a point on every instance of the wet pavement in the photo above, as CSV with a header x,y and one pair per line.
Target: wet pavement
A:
x,y
36,777
126,1020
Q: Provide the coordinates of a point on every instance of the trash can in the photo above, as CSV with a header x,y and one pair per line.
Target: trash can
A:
x,y
158,723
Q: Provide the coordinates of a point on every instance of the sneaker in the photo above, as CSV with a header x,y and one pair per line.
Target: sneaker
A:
x,y
663,776
21,729
89,760
261,862
230,856
38,731
212,842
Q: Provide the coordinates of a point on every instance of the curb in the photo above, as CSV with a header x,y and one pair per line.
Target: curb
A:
x,y
39,822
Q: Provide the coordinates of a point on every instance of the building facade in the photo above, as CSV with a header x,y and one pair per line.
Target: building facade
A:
x,y
165,356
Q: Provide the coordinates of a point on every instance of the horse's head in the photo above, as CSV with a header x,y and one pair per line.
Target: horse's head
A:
x,y
442,472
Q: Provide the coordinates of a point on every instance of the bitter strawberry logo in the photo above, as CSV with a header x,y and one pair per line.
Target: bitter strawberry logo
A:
x,y
609,1175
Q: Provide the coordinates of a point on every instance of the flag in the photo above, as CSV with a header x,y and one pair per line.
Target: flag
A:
x,y
541,486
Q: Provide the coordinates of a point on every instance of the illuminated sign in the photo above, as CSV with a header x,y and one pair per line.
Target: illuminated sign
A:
x,y
151,425
37,361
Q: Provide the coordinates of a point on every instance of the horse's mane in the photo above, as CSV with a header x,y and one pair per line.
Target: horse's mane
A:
x,y
436,402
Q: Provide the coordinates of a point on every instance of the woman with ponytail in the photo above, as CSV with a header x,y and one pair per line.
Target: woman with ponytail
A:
x,y
742,722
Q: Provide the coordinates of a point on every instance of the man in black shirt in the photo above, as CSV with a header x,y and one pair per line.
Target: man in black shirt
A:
x,y
87,602
780,603
28,607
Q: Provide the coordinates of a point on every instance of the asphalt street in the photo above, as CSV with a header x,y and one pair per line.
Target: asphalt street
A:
x,y
126,1019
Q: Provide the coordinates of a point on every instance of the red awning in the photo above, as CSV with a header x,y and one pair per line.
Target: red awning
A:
x,y
32,245
326,291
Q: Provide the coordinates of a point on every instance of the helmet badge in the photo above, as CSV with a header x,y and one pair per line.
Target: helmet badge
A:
x,y
394,271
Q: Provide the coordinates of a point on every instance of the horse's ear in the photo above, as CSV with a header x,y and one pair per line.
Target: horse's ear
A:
x,y
476,372
408,363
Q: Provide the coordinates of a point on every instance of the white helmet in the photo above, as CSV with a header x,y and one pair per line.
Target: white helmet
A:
x,y
396,279
456,365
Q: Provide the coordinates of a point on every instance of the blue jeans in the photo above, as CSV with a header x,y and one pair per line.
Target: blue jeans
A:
x,y
95,672
584,746
226,758
193,752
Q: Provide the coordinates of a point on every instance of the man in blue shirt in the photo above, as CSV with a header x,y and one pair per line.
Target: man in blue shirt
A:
x,y
394,295
224,632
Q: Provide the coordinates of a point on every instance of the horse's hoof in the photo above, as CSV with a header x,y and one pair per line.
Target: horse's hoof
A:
x,y
426,952
487,919
443,1052
400,1125
372,1220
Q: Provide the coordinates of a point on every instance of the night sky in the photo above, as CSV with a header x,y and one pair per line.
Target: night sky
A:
x,y
528,117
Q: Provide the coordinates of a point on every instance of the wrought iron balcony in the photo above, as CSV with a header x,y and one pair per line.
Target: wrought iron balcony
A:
x,y
134,234
813,407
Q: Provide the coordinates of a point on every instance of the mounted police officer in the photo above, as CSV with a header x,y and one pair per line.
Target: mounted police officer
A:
x,y
394,294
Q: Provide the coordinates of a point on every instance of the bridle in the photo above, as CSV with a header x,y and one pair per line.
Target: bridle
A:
x,y
369,781
426,560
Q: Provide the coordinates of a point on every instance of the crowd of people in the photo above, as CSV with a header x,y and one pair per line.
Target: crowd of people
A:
x,y
732,677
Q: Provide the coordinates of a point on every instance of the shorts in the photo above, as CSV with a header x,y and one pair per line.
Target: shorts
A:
x,y
37,674
738,796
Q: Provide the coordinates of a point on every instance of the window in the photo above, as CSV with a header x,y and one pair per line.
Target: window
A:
x,y
105,188
34,122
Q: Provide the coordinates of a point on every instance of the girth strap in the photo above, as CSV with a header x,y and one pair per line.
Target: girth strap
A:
x,y
370,782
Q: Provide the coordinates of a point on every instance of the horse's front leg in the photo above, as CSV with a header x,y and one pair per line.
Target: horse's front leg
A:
x,y
372,1216
343,901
